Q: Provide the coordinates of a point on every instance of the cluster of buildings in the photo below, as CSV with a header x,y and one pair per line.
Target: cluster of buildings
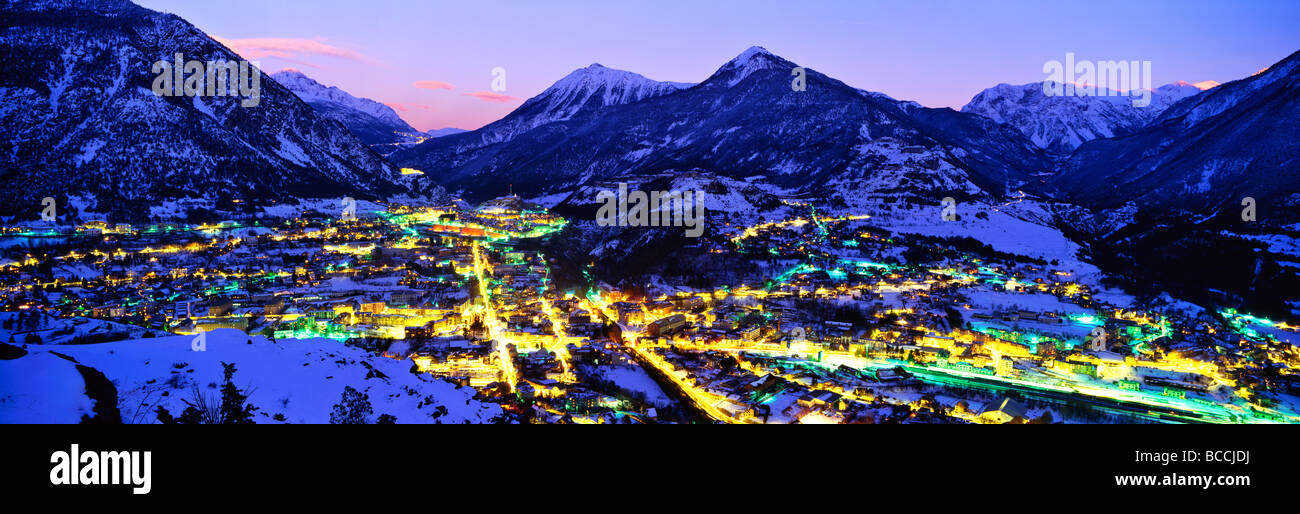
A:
x,y
854,326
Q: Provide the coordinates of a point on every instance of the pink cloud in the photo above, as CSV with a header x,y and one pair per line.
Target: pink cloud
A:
x,y
288,48
432,84
488,96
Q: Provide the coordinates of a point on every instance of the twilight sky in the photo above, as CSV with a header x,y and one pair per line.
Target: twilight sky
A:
x,y
432,60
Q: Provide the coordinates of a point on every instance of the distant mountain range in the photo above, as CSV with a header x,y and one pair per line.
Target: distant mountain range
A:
x,y
80,120
1204,201
372,122
582,92
443,131
1203,154
744,120
1061,123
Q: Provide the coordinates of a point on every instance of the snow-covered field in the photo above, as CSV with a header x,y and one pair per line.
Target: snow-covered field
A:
x,y
53,331
42,387
299,379
633,378
1002,231
1020,228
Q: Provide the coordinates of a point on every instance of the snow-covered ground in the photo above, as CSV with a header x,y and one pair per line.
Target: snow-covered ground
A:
x,y
299,379
1002,231
42,388
54,331
1020,227
550,200
633,378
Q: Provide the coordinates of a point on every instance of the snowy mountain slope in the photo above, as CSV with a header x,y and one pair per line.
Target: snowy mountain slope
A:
x,y
1203,154
583,91
301,379
372,122
1169,202
80,119
1061,123
591,88
744,120
42,387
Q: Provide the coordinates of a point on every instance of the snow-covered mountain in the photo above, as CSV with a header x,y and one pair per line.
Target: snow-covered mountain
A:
x,y
372,122
1060,123
80,119
1205,200
294,381
1203,153
743,120
592,87
581,92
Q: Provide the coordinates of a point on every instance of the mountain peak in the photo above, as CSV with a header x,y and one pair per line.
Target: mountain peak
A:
x,y
296,80
291,72
582,90
753,52
754,58
372,121
1060,123
597,74
609,85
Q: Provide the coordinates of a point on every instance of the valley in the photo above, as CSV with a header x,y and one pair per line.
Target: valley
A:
x,y
832,318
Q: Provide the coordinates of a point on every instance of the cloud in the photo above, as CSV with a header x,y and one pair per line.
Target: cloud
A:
x,y
432,84
488,96
289,48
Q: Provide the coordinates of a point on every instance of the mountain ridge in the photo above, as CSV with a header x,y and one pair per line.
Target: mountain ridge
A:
x,y
1059,124
714,126
371,121
82,121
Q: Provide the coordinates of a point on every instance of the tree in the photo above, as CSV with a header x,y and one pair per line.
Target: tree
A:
x,y
353,408
232,408
235,408
386,419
